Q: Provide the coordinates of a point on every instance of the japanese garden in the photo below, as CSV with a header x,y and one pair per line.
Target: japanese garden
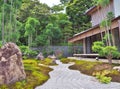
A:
x,y
71,45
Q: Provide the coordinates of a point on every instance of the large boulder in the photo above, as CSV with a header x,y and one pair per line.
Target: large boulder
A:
x,y
11,66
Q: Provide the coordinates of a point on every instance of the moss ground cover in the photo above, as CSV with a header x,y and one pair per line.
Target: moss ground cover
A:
x,y
90,68
36,75
47,61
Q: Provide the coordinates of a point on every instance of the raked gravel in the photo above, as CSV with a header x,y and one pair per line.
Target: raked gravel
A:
x,y
63,78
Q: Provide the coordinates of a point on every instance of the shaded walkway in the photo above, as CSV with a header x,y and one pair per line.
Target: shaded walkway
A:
x,y
63,78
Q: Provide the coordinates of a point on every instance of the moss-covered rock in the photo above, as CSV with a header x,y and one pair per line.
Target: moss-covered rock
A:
x,y
36,75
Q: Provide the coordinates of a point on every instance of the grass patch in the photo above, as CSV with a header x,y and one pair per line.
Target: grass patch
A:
x,y
36,75
89,68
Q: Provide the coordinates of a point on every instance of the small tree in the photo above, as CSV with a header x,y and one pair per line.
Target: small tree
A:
x,y
108,51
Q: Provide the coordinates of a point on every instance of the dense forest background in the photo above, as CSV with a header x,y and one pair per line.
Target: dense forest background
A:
x,y
32,23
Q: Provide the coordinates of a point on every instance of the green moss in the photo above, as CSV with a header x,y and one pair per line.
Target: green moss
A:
x,y
47,61
36,75
89,68
3,87
66,60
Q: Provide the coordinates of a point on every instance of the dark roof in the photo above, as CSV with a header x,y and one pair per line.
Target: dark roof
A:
x,y
90,9
96,26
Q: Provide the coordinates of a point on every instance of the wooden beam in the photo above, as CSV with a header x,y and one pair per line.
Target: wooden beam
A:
x,y
119,27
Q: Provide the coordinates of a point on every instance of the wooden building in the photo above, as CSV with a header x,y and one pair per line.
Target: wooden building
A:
x,y
87,37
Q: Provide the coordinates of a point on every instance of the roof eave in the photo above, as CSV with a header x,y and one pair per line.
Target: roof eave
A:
x,y
96,26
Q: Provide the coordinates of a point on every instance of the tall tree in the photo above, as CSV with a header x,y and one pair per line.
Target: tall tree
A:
x,y
30,26
8,11
57,8
76,11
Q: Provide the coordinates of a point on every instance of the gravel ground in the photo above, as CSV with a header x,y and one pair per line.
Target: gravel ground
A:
x,y
63,78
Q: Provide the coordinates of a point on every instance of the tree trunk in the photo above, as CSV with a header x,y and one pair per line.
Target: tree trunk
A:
x,y
3,26
109,60
108,34
10,31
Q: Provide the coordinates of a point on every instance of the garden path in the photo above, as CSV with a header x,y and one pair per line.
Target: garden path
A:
x,y
63,78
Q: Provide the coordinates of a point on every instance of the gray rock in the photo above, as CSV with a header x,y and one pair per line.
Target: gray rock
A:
x,y
116,68
53,58
40,56
11,66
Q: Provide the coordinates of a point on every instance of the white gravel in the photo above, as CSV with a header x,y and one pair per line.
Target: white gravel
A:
x,y
63,78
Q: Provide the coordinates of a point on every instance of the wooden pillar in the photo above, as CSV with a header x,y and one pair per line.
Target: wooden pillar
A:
x,y
113,37
84,45
119,27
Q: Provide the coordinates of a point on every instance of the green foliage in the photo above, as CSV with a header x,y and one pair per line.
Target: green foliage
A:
x,y
0,44
105,80
27,52
111,51
24,50
57,8
30,27
75,10
32,18
32,53
101,2
8,12
108,51
101,76
110,15
98,46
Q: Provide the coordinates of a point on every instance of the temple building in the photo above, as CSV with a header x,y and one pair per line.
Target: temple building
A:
x,y
87,37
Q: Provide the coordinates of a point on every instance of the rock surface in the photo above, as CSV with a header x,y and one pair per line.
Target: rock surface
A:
x,y
53,58
40,56
116,68
11,66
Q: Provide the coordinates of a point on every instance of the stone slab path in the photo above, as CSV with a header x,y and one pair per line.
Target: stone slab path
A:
x,y
63,78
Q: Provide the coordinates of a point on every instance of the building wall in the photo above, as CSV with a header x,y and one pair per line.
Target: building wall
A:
x,y
117,7
99,15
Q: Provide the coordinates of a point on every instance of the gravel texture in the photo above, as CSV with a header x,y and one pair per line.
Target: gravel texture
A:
x,y
63,78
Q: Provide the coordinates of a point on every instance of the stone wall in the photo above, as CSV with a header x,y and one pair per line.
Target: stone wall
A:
x,y
11,66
